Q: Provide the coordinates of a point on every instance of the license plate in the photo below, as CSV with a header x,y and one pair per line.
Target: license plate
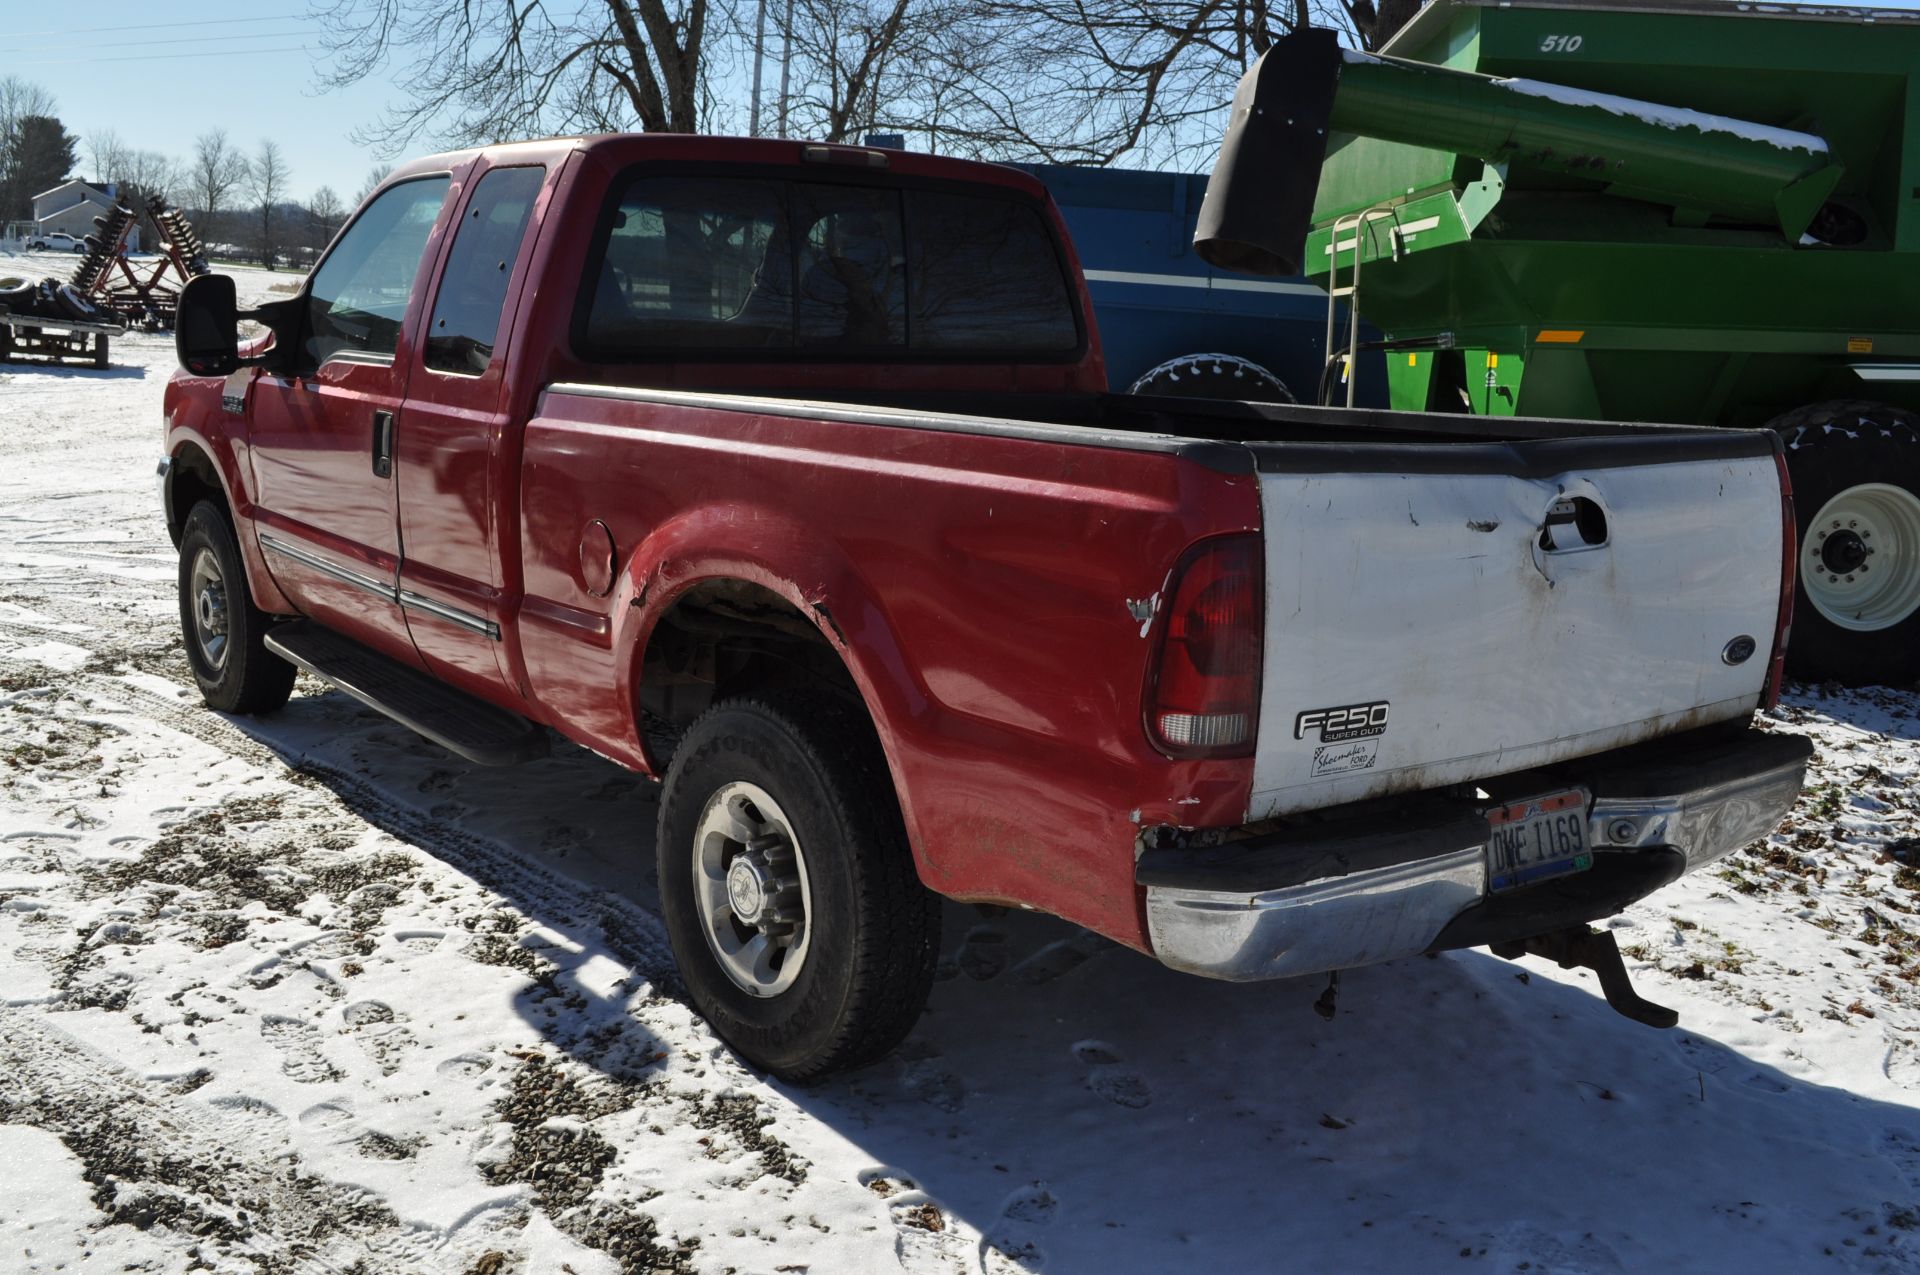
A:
x,y
1536,839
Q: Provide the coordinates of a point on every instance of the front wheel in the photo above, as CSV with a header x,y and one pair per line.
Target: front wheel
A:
x,y
1856,492
225,633
801,929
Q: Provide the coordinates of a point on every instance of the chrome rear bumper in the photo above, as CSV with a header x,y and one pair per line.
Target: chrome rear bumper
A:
x,y
1348,894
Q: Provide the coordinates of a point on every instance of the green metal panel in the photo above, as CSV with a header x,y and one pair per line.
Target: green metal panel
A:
x,y
1701,163
1686,313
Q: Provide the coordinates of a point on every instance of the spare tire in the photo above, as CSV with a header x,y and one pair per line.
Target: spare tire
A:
x,y
1855,467
80,307
1225,376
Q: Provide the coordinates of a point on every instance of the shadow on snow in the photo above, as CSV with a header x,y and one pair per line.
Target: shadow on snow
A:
x,y
1081,1106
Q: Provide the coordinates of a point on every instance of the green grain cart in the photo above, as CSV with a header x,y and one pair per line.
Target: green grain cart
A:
x,y
1690,212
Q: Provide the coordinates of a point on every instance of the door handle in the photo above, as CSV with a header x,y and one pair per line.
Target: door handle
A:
x,y
383,444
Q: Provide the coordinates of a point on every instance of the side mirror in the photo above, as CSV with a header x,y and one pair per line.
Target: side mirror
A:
x,y
206,332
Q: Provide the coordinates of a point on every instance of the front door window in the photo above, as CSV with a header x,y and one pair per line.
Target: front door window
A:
x,y
359,295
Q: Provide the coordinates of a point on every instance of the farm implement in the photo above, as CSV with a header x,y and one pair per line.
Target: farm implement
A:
x,y
1684,212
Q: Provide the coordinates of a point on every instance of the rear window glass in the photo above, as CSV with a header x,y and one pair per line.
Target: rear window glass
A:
x,y
737,264
985,276
695,262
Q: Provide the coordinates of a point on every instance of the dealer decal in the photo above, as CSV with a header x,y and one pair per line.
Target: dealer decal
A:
x,y
1336,725
1344,759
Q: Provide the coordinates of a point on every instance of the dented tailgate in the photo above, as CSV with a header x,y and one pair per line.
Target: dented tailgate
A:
x,y
1439,614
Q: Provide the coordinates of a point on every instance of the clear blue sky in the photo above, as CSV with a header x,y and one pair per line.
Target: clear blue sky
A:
x,y
161,74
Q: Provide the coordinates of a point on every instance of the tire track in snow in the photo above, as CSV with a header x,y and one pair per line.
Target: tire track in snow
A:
x,y
158,1158
634,935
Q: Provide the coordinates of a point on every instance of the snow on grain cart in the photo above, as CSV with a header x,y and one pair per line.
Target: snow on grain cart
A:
x,y
1687,212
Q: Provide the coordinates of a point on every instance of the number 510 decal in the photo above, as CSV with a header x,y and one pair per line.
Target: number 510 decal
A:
x,y
1561,43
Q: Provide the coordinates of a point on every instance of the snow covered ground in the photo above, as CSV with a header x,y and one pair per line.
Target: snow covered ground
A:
x,y
306,993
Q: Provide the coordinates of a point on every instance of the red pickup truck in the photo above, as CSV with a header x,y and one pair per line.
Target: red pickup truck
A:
x,y
786,473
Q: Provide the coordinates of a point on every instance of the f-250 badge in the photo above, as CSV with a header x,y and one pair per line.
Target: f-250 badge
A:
x,y
1333,725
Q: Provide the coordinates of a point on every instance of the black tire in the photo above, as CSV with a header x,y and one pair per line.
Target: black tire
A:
x,y
242,676
873,929
78,306
1225,376
1833,448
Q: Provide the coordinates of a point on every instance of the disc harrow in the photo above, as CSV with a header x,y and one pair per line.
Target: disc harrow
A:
x,y
148,294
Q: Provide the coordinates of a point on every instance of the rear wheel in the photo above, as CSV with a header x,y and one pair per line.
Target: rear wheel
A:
x,y
801,929
1856,490
225,633
1213,376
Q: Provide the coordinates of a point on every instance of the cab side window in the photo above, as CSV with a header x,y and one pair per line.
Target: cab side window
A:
x,y
358,297
473,287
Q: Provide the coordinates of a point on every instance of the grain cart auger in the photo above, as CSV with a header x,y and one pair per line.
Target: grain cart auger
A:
x,y
120,285
1681,211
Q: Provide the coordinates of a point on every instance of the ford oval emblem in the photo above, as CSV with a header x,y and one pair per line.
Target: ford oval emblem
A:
x,y
1738,651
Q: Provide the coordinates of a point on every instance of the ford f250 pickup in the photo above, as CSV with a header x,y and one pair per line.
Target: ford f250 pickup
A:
x,y
786,474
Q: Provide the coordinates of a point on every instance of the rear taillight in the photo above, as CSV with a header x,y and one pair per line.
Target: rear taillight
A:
x,y
1789,558
1203,689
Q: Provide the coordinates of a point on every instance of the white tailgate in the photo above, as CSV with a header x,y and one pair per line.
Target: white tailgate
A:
x,y
1429,594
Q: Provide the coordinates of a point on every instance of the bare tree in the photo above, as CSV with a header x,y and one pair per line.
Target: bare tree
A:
x,y
1376,24
217,167
20,101
326,213
148,173
1090,81
1069,81
487,70
139,176
843,52
134,176
375,175
267,175
107,154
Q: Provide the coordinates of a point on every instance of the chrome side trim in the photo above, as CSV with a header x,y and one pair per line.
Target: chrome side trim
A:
x,y
161,476
827,409
366,358
1225,458
326,567
453,615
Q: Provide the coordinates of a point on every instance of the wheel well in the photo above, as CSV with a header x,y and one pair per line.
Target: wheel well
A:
x,y
191,481
723,638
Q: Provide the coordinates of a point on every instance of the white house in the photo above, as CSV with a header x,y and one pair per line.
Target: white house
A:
x,y
72,205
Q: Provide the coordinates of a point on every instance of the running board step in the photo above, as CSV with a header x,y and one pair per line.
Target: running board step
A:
x,y
452,719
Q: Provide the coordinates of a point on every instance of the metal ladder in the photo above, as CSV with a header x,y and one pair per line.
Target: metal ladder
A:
x,y
1346,356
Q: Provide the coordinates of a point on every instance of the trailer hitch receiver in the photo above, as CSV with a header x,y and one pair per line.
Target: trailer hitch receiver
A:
x,y
1595,950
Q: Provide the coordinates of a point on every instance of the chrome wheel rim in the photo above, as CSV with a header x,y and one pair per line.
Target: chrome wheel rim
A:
x,y
207,600
1860,557
750,889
